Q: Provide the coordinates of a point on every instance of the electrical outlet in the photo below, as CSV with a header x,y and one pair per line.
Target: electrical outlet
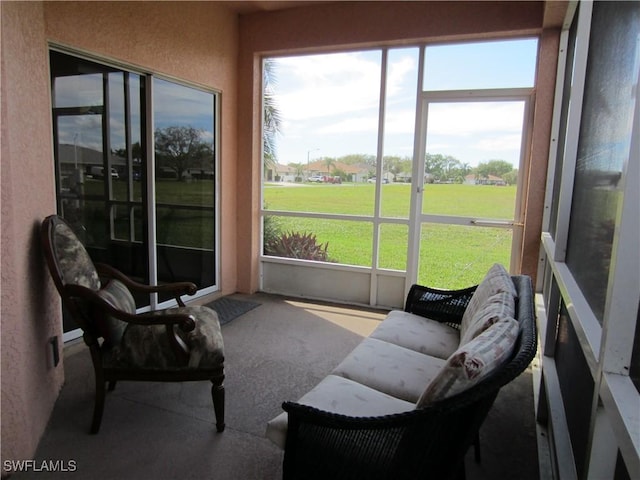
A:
x,y
55,351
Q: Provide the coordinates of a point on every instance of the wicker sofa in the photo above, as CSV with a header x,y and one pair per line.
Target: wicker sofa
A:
x,y
409,400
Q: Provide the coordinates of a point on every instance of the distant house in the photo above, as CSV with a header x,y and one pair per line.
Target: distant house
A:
x,y
490,180
280,173
356,173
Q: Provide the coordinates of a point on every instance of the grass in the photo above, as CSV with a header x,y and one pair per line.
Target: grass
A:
x,y
451,256
358,199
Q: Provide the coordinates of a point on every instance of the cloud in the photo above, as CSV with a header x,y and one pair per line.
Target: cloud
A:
x,y
500,143
326,85
398,71
350,125
470,118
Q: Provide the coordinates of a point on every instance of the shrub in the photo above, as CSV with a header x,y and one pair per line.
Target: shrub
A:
x,y
272,230
304,246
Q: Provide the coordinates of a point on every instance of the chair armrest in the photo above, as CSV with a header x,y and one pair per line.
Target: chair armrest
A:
x,y
185,321
176,288
441,305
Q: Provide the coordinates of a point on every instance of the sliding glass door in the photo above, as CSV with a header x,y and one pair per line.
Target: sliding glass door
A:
x,y
184,184
139,188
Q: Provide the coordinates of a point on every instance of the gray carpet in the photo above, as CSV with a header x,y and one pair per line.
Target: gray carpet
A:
x,y
230,308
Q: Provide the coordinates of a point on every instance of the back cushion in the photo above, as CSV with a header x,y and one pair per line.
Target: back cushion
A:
x,y
497,280
472,362
119,297
74,261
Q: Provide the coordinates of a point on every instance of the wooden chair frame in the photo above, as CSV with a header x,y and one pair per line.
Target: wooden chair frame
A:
x,y
76,298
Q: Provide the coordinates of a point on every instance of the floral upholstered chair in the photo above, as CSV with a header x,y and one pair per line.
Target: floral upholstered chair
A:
x,y
173,345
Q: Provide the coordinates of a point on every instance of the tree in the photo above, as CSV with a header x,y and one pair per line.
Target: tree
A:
x,y
180,148
441,167
357,159
329,162
272,123
511,178
497,168
136,152
299,168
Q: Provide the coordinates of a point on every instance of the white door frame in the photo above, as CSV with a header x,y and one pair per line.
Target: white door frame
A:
x,y
417,218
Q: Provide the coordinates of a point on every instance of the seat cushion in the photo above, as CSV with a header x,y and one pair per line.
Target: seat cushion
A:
x,y
473,362
391,369
497,307
418,333
147,346
340,395
497,280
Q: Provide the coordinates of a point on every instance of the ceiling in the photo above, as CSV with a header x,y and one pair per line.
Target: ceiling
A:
x,y
554,10
250,6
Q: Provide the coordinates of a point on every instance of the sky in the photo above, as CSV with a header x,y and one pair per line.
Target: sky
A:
x,y
330,103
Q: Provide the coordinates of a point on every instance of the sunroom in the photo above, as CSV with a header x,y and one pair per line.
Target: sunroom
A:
x,y
94,87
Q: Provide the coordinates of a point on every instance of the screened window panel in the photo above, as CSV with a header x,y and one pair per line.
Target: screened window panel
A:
x,y
576,385
562,137
603,146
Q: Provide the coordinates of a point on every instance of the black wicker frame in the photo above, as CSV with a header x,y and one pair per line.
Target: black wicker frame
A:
x,y
426,443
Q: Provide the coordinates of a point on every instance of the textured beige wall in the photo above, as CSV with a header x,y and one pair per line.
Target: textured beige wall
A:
x,y
30,305
356,25
194,41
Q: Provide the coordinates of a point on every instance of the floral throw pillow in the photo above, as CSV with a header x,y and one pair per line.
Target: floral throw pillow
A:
x,y
472,362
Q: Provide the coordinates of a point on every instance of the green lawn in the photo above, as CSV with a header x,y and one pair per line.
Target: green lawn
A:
x,y
358,199
450,256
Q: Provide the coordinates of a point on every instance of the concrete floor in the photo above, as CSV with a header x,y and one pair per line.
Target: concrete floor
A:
x,y
275,352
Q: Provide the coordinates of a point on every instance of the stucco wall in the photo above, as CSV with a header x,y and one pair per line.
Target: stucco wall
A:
x,y
30,305
360,24
194,41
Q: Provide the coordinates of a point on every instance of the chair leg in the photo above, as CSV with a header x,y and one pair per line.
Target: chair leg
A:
x,y
98,407
112,385
217,394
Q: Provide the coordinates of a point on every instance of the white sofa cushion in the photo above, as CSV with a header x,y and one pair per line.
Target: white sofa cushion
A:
x,y
497,280
343,396
473,362
389,368
418,333
497,307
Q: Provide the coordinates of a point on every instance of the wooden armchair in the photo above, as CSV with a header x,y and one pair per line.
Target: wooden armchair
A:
x,y
173,345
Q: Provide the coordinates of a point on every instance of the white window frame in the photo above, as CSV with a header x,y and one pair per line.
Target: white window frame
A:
x,y
607,348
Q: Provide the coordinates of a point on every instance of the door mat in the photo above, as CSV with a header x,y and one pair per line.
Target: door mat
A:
x,y
230,308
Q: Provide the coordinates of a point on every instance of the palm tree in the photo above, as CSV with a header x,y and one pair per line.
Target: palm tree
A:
x,y
272,122
329,162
